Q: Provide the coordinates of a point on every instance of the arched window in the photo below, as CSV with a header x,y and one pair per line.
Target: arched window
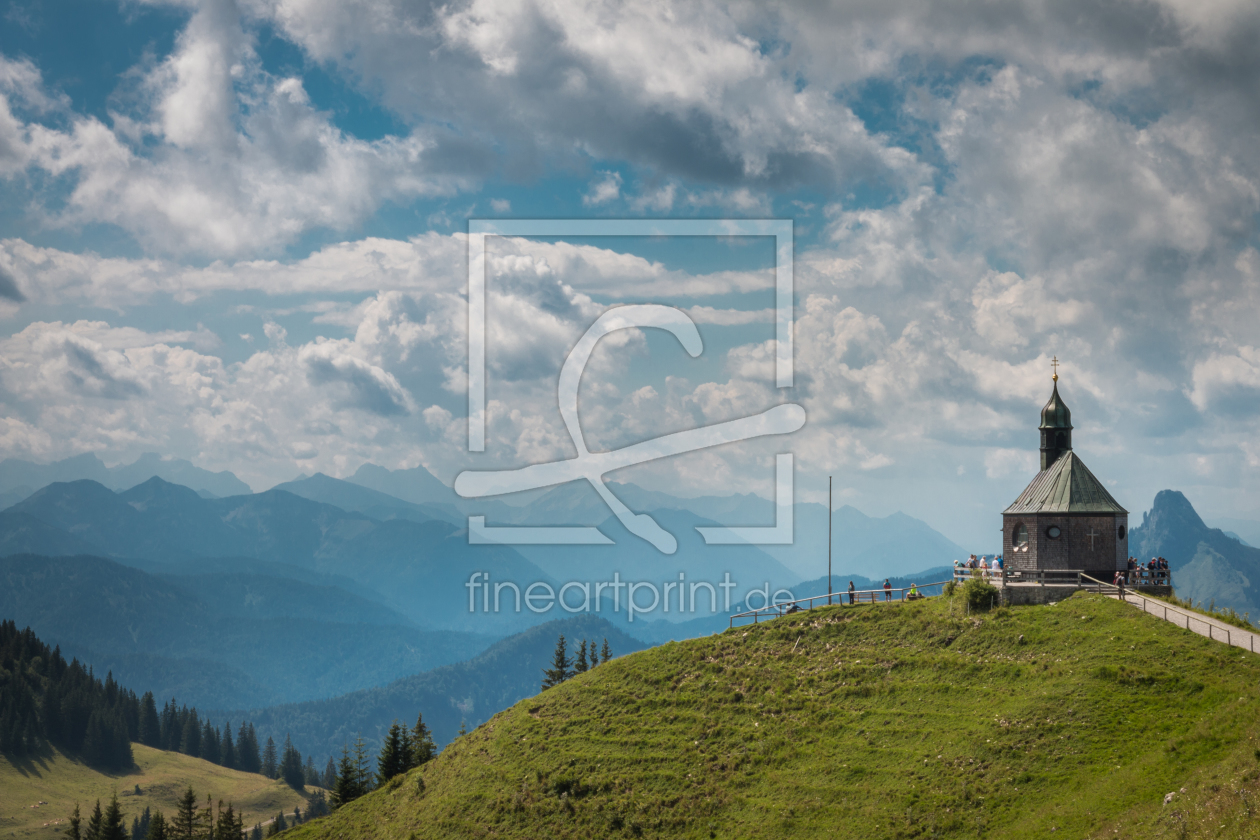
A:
x,y
1021,535
1060,440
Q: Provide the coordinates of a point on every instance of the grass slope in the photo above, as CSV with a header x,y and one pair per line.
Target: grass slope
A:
x,y
162,776
899,721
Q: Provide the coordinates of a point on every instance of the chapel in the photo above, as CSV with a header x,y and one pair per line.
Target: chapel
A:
x,y
1065,519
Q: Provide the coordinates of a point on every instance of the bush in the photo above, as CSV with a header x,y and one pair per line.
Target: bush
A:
x,y
950,587
980,594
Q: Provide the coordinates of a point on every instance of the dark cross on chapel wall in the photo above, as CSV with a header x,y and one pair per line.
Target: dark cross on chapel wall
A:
x,y
1092,533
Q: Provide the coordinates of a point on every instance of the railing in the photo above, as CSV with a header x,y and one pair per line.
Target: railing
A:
x,y
1059,577
1111,589
857,596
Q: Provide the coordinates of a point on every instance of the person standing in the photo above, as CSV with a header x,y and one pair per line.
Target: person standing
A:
x,y
887,590
852,589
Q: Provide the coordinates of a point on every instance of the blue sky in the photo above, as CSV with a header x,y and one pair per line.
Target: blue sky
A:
x,y
232,232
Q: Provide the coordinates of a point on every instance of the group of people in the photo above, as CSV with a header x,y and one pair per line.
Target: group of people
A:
x,y
987,567
1154,571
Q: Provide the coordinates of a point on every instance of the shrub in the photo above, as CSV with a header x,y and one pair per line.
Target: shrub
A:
x,y
980,594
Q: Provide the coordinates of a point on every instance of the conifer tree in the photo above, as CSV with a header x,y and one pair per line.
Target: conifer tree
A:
x,y
94,824
112,827
346,788
391,761
422,747
594,655
270,763
363,771
158,828
140,825
150,727
561,666
209,743
190,740
247,754
230,825
310,773
73,831
184,823
580,665
257,833
463,727
606,653
227,750
329,780
291,766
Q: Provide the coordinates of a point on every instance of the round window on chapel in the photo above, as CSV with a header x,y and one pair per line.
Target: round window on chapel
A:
x,y
1121,532
1053,532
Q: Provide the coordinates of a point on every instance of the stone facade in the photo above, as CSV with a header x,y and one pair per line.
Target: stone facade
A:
x,y
1085,542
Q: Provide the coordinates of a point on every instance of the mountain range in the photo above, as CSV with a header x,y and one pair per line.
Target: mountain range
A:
x,y
1208,565
467,692
215,639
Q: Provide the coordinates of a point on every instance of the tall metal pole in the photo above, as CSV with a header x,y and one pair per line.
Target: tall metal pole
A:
x,y
828,540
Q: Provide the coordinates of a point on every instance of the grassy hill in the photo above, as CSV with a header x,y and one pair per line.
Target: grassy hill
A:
x,y
163,777
904,721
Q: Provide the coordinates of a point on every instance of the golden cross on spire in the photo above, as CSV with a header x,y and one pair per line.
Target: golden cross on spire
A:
x,y
1054,363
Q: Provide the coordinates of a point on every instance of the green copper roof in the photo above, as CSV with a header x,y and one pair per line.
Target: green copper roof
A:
x,y
1066,487
1056,414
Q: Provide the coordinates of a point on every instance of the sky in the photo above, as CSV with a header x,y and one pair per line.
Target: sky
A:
x,y
236,232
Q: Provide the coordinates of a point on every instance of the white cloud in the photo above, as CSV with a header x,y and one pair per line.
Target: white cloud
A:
x,y
604,189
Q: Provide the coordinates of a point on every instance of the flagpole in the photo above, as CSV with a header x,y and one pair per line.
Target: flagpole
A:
x,y
828,540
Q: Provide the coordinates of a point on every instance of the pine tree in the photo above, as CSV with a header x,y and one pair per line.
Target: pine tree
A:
x,y
270,765
140,825
329,780
73,827
606,653
463,728
291,766
210,743
594,655
561,666
158,828
230,826
184,823
150,727
257,833
247,755
94,824
346,788
227,750
190,740
113,828
392,759
580,665
422,747
363,771
310,773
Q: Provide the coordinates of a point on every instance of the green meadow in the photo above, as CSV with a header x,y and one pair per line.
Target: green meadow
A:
x,y
881,721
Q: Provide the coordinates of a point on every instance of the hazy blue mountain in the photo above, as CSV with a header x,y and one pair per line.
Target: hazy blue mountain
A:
x,y
114,611
16,474
418,568
1245,530
1207,565
416,485
471,691
262,596
350,496
14,495
21,533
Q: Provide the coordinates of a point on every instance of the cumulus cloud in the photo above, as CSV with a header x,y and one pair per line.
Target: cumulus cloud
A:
x,y
221,158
